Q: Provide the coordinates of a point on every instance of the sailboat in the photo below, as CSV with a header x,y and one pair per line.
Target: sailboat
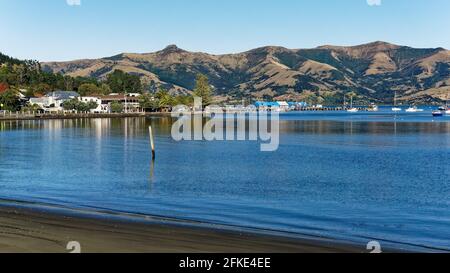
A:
x,y
395,108
352,109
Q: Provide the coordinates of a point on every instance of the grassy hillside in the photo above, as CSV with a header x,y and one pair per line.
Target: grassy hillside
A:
x,y
374,71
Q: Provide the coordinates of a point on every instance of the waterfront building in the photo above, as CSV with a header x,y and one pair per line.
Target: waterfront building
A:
x,y
130,103
53,101
266,106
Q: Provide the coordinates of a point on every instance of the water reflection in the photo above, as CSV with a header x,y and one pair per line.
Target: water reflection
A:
x,y
133,127
152,174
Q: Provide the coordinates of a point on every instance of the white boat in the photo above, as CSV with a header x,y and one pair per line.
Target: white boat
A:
x,y
444,110
352,109
373,108
438,113
396,109
414,109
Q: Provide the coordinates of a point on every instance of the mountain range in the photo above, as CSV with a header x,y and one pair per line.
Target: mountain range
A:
x,y
375,71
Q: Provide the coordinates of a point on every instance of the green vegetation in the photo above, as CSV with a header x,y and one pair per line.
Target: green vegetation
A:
x,y
9,100
29,75
31,108
120,82
116,107
332,99
7,59
75,104
89,89
162,99
203,89
183,100
148,102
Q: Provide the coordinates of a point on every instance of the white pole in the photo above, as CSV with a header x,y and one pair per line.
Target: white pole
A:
x,y
152,142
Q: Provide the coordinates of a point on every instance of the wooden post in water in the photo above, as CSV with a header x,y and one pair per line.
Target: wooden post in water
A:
x,y
152,142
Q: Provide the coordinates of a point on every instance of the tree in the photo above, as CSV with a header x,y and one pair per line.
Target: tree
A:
x,y
203,90
10,100
86,107
40,88
351,95
87,89
105,89
148,102
121,82
164,98
31,108
116,107
92,105
68,83
71,104
75,104
184,100
7,59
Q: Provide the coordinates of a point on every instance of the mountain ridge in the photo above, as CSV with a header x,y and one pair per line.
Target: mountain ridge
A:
x,y
375,71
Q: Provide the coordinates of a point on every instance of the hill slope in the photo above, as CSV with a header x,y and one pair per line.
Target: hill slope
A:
x,y
374,71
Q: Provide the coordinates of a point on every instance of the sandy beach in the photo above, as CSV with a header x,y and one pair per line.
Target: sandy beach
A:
x,y
25,230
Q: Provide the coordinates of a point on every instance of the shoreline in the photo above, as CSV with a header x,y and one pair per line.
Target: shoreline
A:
x,y
78,116
45,229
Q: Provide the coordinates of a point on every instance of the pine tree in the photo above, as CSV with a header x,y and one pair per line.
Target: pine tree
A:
x,y
203,89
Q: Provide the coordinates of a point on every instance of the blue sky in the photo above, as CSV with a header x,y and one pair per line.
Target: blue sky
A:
x,y
50,30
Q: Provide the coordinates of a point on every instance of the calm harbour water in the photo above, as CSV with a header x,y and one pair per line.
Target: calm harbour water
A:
x,y
353,177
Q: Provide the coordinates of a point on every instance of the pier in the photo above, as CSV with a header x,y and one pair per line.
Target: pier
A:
x,y
330,109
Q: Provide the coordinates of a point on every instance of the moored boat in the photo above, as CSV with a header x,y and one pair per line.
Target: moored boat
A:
x,y
352,109
414,109
438,113
373,108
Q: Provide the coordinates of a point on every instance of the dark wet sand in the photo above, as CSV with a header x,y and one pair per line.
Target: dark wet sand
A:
x,y
24,230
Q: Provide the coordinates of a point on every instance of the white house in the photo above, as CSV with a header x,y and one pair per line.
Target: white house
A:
x,y
43,103
53,101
